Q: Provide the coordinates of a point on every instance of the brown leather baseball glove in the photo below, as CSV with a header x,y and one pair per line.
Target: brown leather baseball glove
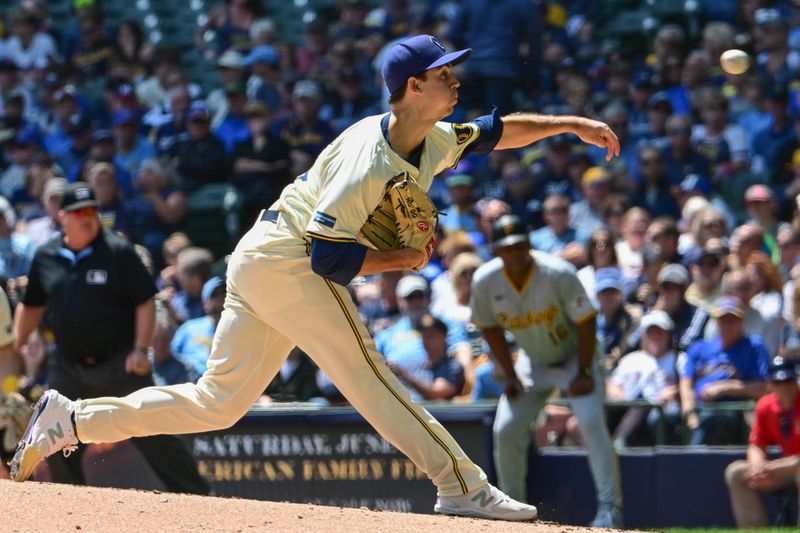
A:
x,y
405,217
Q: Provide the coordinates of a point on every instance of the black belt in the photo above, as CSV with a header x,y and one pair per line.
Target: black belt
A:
x,y
270,215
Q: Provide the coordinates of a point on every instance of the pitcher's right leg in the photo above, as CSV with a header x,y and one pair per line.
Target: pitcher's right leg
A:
x,y
245,355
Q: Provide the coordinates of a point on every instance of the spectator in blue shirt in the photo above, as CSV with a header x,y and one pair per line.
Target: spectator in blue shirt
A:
x,y
193,269
79,130
729,366
653,191
132,148
233,127
461,213
437,377
586,216
191,344
557,233
263,84
401,343
488,382
768,142
615,320
680,157
16,251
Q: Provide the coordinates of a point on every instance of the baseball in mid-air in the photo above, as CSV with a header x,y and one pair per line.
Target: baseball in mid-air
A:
x,y
734,61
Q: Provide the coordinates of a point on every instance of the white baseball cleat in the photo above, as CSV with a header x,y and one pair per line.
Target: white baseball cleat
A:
x,y
50,430
609,517
485,502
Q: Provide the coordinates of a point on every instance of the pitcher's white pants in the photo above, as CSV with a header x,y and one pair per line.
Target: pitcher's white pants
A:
x,y
274,303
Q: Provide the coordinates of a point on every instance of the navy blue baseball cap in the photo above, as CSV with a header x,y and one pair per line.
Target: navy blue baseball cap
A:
x,y
417,54
198,109
781,369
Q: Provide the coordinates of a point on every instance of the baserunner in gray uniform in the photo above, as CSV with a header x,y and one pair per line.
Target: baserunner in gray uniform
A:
x,y
538,298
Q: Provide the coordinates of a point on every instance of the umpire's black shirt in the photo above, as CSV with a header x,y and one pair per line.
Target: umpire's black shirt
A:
x,y
91,296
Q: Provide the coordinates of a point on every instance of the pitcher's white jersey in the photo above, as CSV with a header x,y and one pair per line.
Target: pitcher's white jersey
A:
x,y
347,181
541,316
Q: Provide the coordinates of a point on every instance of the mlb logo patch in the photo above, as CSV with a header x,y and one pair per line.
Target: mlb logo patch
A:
x,y
96,277
324,219
83,193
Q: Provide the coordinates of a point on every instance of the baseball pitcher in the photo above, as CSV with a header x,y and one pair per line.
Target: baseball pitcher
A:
x,y
287,277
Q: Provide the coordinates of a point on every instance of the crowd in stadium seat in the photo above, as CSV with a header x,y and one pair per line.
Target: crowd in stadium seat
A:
x,y
188,122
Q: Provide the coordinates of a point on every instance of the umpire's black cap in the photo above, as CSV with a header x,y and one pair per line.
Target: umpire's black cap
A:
x,y
509,230
782,369
77,196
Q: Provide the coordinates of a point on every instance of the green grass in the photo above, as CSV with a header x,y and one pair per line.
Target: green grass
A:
x,y
725,530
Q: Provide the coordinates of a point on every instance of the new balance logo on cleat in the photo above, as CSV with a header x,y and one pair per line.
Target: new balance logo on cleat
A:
x,y
55,434
485,502
484,497
49,431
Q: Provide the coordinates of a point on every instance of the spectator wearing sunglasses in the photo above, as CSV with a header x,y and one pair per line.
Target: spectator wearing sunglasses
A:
x,y
653,192
689,320
601,254
731,365
761,321
680,157
706,265
553,237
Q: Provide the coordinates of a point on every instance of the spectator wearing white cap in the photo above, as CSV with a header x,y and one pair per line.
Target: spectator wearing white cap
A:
x,y
304,130
230,68
690,321
401,343
649,374
40,230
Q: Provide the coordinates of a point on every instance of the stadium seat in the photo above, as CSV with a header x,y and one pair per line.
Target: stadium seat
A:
x,y
633,29
212,217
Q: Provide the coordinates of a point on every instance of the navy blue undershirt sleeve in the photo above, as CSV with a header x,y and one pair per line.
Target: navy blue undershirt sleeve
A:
x,y
338,262
490,130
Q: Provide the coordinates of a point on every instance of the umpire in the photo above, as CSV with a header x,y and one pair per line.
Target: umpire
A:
x,y
96,295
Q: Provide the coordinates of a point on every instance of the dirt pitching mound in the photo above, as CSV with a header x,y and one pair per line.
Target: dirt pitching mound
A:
x,y
35,506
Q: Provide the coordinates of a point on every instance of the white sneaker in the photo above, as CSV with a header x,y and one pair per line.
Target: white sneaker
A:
x,y
485,502
609,517
50,430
